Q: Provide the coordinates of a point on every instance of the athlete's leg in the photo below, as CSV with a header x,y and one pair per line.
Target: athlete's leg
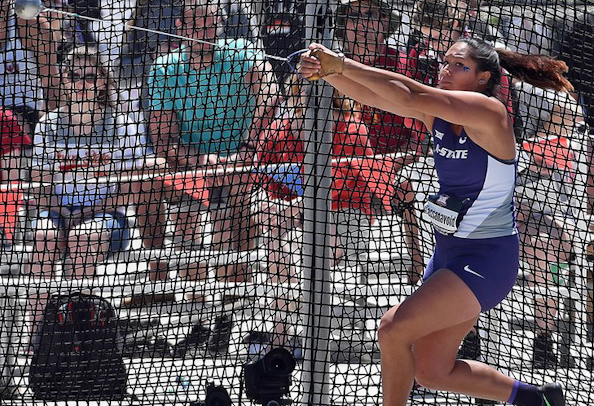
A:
x,y
437,367
443,301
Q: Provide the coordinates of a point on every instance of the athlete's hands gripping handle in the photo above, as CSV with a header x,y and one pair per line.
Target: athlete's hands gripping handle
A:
x,y
320,62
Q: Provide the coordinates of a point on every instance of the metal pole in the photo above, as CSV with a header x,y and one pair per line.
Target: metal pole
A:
x,y
317,205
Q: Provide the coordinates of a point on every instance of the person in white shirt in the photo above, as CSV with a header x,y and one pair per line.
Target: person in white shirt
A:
x,y
81,222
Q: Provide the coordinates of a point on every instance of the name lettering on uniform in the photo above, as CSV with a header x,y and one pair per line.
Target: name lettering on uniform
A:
x,y
462,140
451,154
439,134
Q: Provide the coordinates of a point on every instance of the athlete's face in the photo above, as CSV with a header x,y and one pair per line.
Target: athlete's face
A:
x,y
460,72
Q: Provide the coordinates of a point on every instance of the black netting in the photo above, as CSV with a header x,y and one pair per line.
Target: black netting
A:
x,y
185,219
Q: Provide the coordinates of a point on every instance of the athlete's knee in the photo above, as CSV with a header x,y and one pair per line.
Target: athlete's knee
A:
x,y
433,373
392,328
431,378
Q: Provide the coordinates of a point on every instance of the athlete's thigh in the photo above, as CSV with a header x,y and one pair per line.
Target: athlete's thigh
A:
x,y
443,301
437,351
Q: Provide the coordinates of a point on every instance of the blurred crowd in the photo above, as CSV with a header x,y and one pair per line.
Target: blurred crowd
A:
x,y
205,139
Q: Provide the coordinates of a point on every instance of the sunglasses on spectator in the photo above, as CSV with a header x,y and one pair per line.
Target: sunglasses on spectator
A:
x,y
77,77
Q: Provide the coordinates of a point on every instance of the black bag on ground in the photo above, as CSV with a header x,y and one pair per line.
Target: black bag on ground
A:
x,y
78,351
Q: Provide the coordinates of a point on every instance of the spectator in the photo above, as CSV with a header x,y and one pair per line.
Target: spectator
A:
x,y
546,216
110,31
572,43
27,65
84,139
282,144
12,141
480,28
359,179
207,105
363,28
528,30
440,33
283,31
280,210
141,47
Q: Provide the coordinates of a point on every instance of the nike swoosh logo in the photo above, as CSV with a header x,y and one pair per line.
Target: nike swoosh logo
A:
x,y
462,140
467,269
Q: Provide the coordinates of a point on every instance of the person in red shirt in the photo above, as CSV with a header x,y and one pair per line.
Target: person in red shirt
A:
x,y
12,140
360,177
363,30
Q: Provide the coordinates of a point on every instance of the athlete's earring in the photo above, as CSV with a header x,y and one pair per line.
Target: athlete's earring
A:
x,y
482,81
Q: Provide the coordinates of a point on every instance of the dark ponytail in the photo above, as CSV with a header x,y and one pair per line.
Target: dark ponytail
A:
x,y
539,70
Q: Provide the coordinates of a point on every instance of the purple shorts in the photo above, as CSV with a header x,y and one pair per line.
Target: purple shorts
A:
x,y
488,266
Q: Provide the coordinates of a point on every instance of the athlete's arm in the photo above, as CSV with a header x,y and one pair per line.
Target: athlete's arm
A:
x,y
404,93
484,118
369,96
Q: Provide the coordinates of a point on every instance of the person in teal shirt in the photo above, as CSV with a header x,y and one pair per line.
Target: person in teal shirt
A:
x,y
208,104
213,105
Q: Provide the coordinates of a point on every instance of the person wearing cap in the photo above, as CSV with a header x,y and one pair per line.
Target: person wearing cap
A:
x,y
363,28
